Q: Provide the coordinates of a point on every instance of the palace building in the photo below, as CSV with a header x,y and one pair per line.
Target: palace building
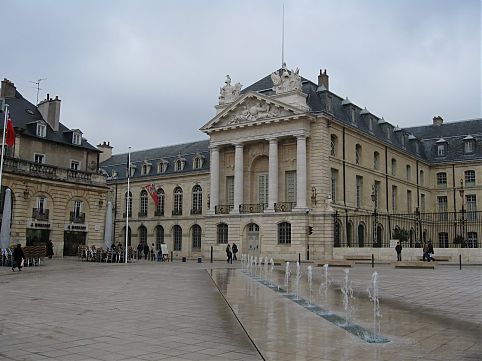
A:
x,y
58,192
292,168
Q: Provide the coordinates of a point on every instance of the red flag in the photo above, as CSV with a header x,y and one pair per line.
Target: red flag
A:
x,y
10,135
151,189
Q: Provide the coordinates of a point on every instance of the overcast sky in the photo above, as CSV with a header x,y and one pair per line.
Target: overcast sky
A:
x,y
147,73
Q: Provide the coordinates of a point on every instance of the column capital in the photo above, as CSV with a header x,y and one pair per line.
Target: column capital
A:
x,y
272,139
238,144
214,147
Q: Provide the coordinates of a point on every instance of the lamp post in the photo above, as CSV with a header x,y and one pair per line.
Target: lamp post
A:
x,y
462,192
374,197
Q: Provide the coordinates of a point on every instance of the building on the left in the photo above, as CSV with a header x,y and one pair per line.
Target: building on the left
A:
x,y
58,192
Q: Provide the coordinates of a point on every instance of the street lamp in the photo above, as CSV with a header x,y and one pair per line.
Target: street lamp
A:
x,y
374,197
462,192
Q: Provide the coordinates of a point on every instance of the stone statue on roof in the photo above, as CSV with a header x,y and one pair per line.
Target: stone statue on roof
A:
x,y
229,93
285,80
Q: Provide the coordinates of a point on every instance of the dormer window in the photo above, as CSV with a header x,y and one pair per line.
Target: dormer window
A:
x,y
146,168
469,144
162,166
41,130
180,163
76,138
198,161
441,147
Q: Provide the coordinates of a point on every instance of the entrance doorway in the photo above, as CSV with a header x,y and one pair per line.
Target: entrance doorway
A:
x,y
252,235
37,237
72,241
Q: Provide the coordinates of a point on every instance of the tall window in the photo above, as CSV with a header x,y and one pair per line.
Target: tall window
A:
x,y
471,206
291,186
333,145
443,240
162,202
197,199
142,234
198,162
222,233
442,207
472,240
196,237
177,201
394,167
334,177
128,203
359,185
394,198
442,180
76,138
78,207
284,233
41,204
358,153
469,146
159,236
143,202
441,150
408,172
409,201
377,194
470,178
230,190
263,189
179,165
422,203
41,130
422,178
177,233
376,160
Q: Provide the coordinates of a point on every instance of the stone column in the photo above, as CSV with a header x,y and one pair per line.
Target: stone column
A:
x,y
273,174
214,168
238,177
301,173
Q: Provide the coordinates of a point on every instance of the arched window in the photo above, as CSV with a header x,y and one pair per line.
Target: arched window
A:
x,y
361,235
143,202
177,237
222,233
162,202
334,145
196,237
197,200
179,165
128,204
124,237
142,234
284,233
159,236
358,153
376,160
177,211
349,234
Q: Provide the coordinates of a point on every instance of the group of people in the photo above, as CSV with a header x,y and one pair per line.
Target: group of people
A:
x,y
427,251
144,249
231,252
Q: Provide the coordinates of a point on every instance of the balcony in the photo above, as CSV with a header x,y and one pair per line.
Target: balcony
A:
x,y
177,212
159,213
77,217
40,214
252,208
284,206
196,211
141,214
44,171
223,209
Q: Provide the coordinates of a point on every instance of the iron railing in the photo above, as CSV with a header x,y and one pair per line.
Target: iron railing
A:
x,y
177,212
40,214
252,208
284,206
77,217
196,211
159,213
223,209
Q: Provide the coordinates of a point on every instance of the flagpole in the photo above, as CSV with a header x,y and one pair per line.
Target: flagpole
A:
x,y
3,144
128,199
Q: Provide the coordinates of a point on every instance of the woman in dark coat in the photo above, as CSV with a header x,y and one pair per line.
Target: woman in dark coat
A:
x,y
18,256
50,249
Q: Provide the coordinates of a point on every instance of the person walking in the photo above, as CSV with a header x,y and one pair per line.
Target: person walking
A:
x,y
50,249
430,251
18,257
398,249
235,250
153,252
229,254
146,250
139,250
425,252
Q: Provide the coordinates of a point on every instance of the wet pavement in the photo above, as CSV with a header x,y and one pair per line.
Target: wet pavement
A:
x,y
71,310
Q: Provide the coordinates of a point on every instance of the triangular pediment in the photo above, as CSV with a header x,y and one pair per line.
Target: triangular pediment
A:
x,y
251,108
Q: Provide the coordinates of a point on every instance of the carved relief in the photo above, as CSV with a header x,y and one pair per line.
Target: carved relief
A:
x,y
253,110
286,80
229,93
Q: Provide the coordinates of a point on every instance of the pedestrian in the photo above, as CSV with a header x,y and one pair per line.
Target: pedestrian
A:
x,y
146,250
425,252
50,249
18,257
235,250
153,252
430,251
229,254
139,250
398,249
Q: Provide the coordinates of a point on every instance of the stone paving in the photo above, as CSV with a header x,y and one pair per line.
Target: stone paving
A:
x,y
71,310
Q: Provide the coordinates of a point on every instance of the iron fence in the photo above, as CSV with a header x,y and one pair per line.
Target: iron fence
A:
x,y
444,230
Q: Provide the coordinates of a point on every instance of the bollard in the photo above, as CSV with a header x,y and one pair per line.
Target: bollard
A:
x,y
299,257
199,260
211,254
460,262
171,256
184,259
373,261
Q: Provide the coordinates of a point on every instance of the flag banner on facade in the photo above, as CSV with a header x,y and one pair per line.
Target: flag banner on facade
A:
x,y
128,165
151,189
10,134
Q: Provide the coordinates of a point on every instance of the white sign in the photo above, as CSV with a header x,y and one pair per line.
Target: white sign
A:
x,y
164,249
393,243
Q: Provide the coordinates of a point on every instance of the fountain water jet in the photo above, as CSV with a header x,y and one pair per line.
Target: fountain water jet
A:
x,y
347,291
265,265
298,276
373,295
310,280
287,276
271,272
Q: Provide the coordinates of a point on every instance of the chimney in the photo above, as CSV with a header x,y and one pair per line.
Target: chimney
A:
x,y
323,80
50,110
106,151
8,89
438,120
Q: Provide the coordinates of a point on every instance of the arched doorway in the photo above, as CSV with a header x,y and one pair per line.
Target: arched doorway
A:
x,y
361,235
252,237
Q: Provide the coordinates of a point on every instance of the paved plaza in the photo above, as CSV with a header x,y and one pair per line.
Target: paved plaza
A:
x,y
71,310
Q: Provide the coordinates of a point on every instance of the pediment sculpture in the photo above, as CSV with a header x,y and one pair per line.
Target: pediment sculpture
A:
x,y
229,93
254,110
286,80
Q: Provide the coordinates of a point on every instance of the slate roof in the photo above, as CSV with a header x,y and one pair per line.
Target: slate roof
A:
x,y
187,151
23,114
